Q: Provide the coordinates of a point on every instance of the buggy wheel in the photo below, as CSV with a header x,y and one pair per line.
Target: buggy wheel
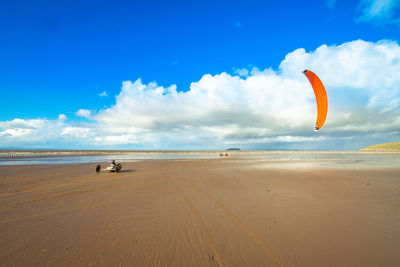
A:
x,y
98,168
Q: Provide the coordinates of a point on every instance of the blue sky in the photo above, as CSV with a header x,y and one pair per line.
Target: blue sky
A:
x,y
59,57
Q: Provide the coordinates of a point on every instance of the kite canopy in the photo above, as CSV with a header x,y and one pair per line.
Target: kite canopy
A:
x,y
320,96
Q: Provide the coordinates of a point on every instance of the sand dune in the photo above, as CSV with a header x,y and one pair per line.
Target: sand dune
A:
x,y
230,212
393,146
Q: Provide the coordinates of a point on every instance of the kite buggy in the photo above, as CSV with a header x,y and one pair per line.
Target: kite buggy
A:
x,y
114,167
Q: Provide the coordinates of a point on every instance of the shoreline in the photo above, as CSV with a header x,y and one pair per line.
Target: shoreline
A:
x,y
310,158
233,152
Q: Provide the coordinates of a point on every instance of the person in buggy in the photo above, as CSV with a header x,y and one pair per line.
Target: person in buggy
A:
x,y
114,167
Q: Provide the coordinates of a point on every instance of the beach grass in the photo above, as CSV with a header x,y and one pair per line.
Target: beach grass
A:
x,y
393,146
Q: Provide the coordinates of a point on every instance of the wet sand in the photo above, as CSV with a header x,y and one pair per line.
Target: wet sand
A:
x,y
207,212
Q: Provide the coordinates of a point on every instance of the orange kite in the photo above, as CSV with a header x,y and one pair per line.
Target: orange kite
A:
x,y
320,96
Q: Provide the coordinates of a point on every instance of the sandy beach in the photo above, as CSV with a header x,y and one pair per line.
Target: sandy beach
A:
x,y
200,212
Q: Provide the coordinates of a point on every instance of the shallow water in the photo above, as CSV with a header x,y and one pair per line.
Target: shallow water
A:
x,y
49,160
291,158
308,159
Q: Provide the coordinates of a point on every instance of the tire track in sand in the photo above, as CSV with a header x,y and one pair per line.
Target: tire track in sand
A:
x,y
216,257
88,205
72,181
267,249
54,212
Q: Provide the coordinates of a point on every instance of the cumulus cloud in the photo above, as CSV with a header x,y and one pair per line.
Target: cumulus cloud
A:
x,y
256,109
243,72
215,108
364,69
62,117
379,11
85,113
19,131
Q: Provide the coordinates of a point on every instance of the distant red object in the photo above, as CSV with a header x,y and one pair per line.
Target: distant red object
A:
x,y
226,154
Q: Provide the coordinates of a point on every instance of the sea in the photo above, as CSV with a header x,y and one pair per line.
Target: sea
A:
x,y
322,158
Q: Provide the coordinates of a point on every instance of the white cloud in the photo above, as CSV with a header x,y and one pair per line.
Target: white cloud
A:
x,y
62,117
365,68
243,72
378,11
19,131
85,113
361,77
103,94
258,107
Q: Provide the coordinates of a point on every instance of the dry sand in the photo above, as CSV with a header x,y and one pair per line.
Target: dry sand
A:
x,y
228,212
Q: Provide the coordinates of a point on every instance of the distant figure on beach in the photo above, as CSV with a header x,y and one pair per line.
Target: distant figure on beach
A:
x,y
226,154
113,164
